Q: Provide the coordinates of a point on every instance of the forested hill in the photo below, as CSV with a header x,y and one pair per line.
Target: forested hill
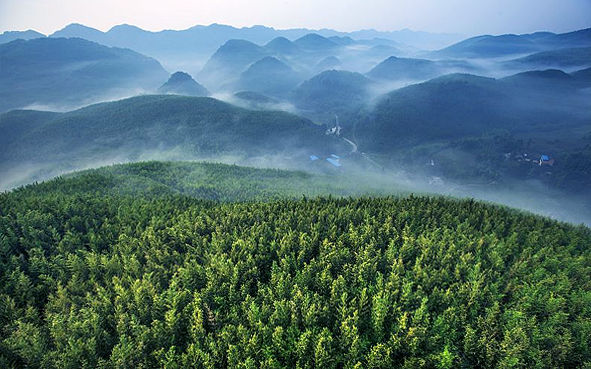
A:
x,y
126,281
210,181
162,126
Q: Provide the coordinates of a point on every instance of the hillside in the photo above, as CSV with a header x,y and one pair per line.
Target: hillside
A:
x,y
332,91
460,105
488,47
329,63
211,181
583,76
282,46
71,72
395,68
231,59
269,76
486,133
156,126
561,58
551,40
120,280
182,83
313,42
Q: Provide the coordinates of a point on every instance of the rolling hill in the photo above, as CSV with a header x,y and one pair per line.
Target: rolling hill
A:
x,y
168,126
549,40
269,76
395,68
488,47
229,61
71,72
313,42
458,105
405,69
282,46
560,58
332,91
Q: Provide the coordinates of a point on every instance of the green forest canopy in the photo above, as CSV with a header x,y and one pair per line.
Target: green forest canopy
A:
x,y
146,279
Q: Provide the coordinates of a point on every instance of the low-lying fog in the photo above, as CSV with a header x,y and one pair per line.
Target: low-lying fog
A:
x,y
531,195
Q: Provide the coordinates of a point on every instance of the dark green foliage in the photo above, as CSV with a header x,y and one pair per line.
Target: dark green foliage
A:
x,y
117,281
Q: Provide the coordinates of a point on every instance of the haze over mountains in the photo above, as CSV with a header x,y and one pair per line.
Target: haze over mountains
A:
x,y
379,100
61,73
293,199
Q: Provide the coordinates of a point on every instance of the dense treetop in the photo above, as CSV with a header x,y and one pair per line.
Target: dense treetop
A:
x,y
158,279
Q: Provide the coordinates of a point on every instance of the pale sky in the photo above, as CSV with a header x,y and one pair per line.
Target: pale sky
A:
x,y
468,17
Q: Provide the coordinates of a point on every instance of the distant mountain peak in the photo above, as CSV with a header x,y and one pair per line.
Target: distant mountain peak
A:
x,y
182,83
313,41
9,36
270,62
180,77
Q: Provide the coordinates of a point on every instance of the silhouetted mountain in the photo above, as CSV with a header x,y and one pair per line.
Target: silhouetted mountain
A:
x,y
315,43
488,47
229,61
583,76
76,30
71,72
561,58
332,91
541,79
342,40
419,39
282,46
328,63
395,68
189,49
550,40
504,45
382,51
182,83
9,36
550,80
153,125
460,105
269,76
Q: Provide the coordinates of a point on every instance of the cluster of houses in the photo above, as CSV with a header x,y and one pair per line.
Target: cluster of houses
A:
x,y
333,160
543,160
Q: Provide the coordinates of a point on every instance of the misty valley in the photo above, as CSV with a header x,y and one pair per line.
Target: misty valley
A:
x,y
503,118
253,197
